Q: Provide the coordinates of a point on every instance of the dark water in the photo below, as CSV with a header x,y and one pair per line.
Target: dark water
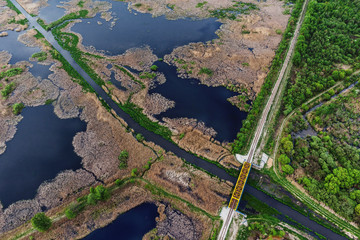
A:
x,y
194,100
132,30
51,12
131,225
20,52
40,149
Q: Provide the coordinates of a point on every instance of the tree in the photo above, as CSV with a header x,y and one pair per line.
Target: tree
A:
x,y
41,222
154,68
70,214
123,158
139,137
284,159
357,209
17,108
134,172
287,169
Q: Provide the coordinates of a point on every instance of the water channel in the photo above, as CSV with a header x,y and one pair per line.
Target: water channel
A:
x,y
179,152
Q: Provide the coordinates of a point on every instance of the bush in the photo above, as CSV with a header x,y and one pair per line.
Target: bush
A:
x,y
134,172
17,108
70,214
123,158
154,68
41,222
7,90
139,137
205,70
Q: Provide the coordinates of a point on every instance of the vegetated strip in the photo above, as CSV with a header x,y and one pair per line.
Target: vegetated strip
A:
x,y
70,16
242,143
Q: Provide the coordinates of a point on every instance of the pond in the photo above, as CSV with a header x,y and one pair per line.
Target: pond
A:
x,y
52,12
194,100
132,225
20,52
136,30
41,148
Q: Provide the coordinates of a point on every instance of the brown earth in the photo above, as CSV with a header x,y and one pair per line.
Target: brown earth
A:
x,y
6,16
237,58
189,183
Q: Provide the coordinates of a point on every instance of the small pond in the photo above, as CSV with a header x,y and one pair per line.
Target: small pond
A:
x,y
41,148
132,225
52,12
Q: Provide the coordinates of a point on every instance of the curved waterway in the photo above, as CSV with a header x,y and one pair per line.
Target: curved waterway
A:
x,y
41,148
132,225
133,29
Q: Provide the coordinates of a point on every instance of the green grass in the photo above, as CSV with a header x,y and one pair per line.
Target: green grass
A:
x,y
38,35
70,16
12,6
11,72
7,90
206,71
233,11
137,114
40,56
201,4
148,75
81,3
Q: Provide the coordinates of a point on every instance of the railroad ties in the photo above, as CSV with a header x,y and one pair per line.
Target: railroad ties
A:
x,y
239,187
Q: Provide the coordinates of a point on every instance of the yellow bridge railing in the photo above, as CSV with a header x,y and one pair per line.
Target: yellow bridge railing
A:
x,y
239,187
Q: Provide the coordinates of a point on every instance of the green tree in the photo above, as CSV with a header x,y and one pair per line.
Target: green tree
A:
x,y
134,172
69,213
284,159
287,169
41,222
357,209
17,108
154,68
139,137
123,159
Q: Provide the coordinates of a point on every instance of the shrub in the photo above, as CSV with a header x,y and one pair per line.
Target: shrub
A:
x,y
17,108
7,90
123,158
205,70
70,214
154,68
139,137
41,222
134,172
